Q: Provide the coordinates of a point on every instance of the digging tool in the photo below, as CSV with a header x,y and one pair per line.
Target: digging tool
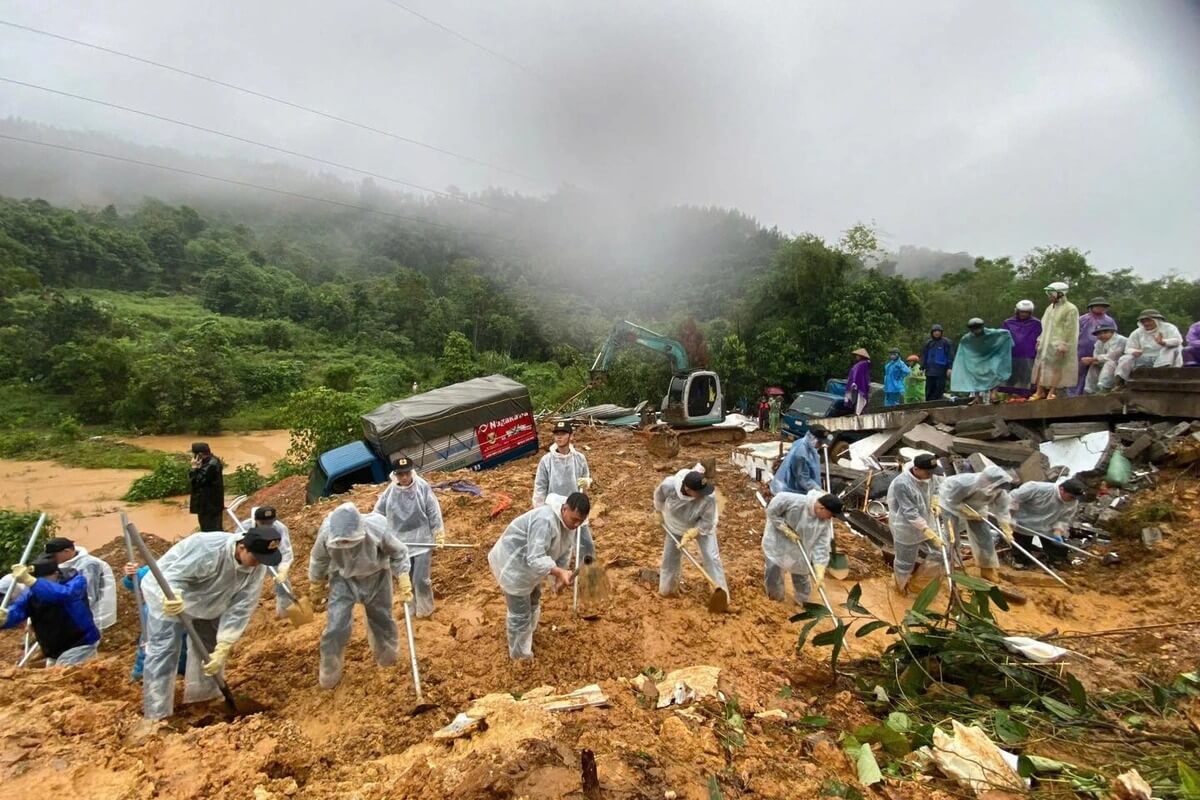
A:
x,y
421,706
593,579
237,707
1027,554
25,554
839,564
29,651
1067,545
812,572
575,589
433,546
300,611
1010,594
718,601
137,585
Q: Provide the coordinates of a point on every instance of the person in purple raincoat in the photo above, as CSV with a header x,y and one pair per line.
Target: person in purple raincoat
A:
x,y
1097,313
858,382
1191,346
1025,329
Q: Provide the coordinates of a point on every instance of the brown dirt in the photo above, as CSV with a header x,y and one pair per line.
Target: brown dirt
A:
x,y
69,730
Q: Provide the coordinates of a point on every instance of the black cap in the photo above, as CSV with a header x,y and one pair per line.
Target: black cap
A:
x,y
1102,327
1073,487
263,542
926,461
265,513
403,464
200,447
1099,301
820,431
44,565
697,482
562,426
832,504
58,545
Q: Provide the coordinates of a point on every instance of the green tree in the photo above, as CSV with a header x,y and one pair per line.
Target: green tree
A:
x,y
458,359
731,361
320,419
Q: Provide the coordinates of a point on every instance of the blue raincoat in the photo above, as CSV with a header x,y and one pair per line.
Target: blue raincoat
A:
x,y
983,362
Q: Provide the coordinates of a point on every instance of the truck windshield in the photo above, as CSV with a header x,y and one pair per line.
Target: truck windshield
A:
x,y
810,405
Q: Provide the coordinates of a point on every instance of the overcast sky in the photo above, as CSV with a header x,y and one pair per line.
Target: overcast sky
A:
x,y
986,127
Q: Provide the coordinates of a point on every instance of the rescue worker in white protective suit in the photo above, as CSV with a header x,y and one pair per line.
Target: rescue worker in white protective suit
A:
x,y
911,518
685,507
1045,510
795,521
354,560
265,516
217,580
970,498
562,471
535,545
415,516
101,585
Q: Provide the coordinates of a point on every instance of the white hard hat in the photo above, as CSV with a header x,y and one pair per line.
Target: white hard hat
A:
x,y
1025,305
1057,286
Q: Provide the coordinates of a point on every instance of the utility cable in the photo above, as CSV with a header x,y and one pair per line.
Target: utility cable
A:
x,y
244,140
457,35
248,185
264,96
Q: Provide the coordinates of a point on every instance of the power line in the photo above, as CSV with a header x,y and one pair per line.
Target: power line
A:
x,y
271,98
244,140
464,38
248,185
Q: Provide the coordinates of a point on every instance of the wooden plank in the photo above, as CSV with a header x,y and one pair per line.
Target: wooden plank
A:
x,y
1099,405
1071,430
927,437
1007,452
898,434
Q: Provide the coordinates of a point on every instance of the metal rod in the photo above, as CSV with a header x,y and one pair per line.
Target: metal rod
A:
x,y
695,563
1014,543
28,654
432,546
412,652
28,551
575,596
1067,545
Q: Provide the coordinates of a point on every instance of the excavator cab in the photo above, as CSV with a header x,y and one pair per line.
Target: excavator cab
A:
x,y
694,399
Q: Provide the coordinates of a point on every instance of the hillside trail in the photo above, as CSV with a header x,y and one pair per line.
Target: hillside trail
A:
x,y
66,731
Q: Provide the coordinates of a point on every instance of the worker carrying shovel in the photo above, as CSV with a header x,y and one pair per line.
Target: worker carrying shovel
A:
x,y
911,518
970,498
56,602
415,517
266,517
685,507
216,580
534,546
354,560
797,541
563,471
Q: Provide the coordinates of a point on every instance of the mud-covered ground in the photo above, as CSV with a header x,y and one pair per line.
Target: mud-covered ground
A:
x,y
69,731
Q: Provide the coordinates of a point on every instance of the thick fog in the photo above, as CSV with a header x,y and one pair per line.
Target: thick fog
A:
x,y
986,128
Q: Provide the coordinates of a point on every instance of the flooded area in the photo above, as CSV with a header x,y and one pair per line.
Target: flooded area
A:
x,y
86,503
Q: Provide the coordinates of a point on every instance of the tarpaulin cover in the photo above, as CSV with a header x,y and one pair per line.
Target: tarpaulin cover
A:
x,y
410,425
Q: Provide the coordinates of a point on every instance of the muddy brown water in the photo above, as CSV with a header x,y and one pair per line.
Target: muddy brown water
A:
x,y
87,505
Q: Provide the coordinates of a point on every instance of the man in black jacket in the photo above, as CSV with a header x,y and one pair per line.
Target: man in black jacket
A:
x,y
208,487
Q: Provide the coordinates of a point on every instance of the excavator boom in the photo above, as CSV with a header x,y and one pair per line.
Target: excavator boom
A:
x,y
625,332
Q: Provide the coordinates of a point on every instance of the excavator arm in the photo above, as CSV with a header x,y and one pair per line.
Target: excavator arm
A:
x,y
624,333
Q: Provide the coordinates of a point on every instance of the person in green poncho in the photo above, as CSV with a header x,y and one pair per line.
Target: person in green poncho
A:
x,y
1057,366
983,361
914,384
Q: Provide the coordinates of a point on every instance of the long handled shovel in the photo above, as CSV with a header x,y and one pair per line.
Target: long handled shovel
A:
x,y
137,585
421,706
718,601
1010,594
235,706
299,611
1067,545
839,564
575,567
25,554
1027,554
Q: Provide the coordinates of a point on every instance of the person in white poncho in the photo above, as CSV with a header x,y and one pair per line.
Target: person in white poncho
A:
x,y
796,521
414,514
685,507
563,471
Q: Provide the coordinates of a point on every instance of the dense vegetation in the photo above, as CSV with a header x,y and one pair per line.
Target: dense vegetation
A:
x,y
167,319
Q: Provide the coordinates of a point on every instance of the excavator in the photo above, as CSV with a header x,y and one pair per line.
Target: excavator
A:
x,y
693,403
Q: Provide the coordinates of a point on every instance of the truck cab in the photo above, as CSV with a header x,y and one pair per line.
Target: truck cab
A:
x,y
341,468
807,406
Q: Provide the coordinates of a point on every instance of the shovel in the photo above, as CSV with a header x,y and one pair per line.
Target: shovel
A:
x,y
137,585
28,551
300,611
421,706
1067,545
236,707
839,564
1027,554
718,602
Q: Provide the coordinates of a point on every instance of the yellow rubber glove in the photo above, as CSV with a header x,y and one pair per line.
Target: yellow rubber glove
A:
x,y
935,505
791,535
820,570
23,575
218,657
1006,529
3,617
971,515
688,537
933,536
281,573
439,538
404,588
658,518
318,591
173,608
584,484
